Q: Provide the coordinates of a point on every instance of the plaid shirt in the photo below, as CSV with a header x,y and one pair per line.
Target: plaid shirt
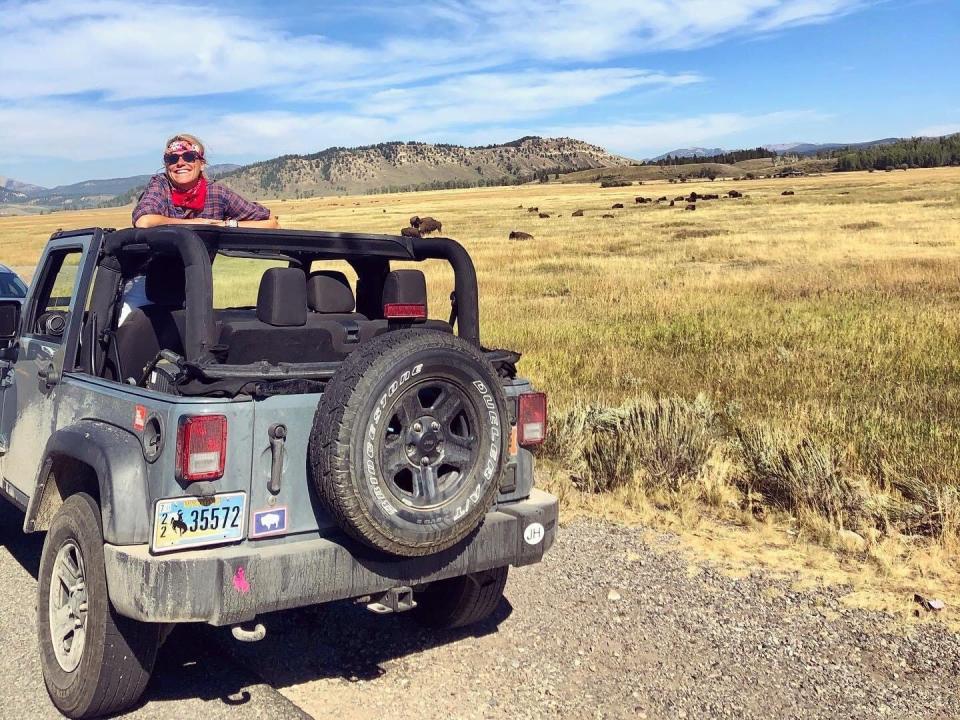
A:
x,y
222,203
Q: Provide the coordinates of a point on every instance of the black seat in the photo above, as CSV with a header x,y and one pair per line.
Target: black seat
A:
x,y
154,327
279,332
403,287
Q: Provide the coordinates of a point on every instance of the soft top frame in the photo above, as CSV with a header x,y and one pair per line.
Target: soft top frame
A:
x,y
196,244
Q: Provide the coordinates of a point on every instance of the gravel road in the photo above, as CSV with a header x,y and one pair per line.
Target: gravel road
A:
x,y
612,627
608,626
193,677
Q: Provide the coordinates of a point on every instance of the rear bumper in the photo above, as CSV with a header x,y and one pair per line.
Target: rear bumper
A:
x,y
227,585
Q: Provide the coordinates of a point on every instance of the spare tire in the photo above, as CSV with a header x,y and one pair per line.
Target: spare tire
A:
x,y
409,440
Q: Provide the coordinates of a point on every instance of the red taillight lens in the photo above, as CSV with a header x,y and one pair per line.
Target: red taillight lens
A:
x,y
404,311
532,418
201,447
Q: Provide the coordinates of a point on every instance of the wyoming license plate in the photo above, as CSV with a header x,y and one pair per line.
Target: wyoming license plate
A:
x,y
187,522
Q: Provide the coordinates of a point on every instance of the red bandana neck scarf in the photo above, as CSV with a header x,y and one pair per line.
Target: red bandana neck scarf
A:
x,y
192,199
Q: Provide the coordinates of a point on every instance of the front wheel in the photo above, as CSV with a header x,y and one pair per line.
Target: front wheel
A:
x,y
94,661
460,601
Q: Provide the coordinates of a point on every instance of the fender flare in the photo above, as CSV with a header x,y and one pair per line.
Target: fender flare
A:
x,y
116,457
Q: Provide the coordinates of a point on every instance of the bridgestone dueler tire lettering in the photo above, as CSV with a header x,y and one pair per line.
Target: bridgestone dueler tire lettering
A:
x,y
119,653
348,426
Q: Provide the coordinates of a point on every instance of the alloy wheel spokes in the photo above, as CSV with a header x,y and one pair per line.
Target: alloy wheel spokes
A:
x,y
67,606
425,485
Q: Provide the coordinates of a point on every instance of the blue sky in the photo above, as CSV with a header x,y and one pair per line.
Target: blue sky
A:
x,y
91,88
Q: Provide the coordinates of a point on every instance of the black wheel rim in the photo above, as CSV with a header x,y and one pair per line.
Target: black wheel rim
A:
x,y
429,446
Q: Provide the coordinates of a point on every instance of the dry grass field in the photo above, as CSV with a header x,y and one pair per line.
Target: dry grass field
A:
x,y
772,359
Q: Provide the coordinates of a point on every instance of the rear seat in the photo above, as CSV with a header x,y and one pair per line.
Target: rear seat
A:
x,y
279,332
403,287
332,305
313,320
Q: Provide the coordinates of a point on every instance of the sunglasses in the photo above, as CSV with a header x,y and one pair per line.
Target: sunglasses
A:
x,y
188,156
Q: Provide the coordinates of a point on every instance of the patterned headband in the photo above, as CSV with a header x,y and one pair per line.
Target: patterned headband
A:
x,y
183,146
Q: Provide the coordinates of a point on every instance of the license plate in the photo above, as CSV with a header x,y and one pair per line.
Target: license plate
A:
x,y
187,522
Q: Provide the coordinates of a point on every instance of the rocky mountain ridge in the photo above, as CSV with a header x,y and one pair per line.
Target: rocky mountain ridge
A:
x,y
398,166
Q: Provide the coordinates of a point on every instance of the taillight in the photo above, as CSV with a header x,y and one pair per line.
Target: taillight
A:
x,y
405,311
201,447
532,418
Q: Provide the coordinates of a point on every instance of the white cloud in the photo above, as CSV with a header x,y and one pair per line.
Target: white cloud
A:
x,y
937,130
127,50
499,97
79,75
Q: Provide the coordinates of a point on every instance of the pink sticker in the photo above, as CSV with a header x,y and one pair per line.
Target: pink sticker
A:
x,y
240,581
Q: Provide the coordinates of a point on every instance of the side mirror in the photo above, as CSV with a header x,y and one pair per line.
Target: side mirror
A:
x,y
9,319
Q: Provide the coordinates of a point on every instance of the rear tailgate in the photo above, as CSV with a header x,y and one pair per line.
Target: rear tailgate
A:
x,y
293,507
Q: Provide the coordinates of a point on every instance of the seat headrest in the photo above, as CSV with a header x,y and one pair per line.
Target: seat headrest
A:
x,y
282,299
405,287
165,283
328,291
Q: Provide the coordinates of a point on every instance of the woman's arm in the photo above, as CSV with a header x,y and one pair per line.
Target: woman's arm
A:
x,y
145,221
271,222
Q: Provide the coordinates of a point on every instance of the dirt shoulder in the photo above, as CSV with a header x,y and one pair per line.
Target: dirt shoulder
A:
x,y
617,623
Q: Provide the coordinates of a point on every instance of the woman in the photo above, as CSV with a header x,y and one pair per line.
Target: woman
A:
x,y
182,194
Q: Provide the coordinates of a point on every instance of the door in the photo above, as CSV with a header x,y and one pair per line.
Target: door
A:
x,y
49,331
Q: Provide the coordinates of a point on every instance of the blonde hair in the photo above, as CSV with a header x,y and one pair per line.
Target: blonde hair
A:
x,y
186,137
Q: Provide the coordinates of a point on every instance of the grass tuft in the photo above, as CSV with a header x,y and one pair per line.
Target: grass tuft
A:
x,y
656,443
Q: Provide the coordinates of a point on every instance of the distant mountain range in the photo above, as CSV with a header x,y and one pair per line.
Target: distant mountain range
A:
x,y
88,193
801,149
689,152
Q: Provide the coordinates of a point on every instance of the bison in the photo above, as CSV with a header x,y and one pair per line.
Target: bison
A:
x,y
415,221
787,192
429,225
640,200
672,203
411,232
607,215
544,215
520,235
533,209
617,206
692,197
662,198
735,194
690,206
680,198
577,213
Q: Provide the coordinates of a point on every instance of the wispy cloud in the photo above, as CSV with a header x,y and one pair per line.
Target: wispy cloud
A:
x,y
134,72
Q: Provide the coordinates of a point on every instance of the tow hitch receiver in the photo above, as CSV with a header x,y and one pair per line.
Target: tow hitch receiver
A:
x,y
394,600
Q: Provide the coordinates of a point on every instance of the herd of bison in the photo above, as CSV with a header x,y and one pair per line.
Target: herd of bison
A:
x,y
422,226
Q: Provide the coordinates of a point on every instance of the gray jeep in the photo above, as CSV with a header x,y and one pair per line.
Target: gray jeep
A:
x,y
193,463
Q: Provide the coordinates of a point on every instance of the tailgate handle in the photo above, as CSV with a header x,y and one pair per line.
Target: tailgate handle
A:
x,y
278,435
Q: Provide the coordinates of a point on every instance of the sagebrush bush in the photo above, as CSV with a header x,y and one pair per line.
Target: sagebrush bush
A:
x,y
660,442
799,474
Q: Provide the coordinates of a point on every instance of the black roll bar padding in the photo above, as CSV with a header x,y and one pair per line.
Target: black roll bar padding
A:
x,y
103,297
201,331
465,282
